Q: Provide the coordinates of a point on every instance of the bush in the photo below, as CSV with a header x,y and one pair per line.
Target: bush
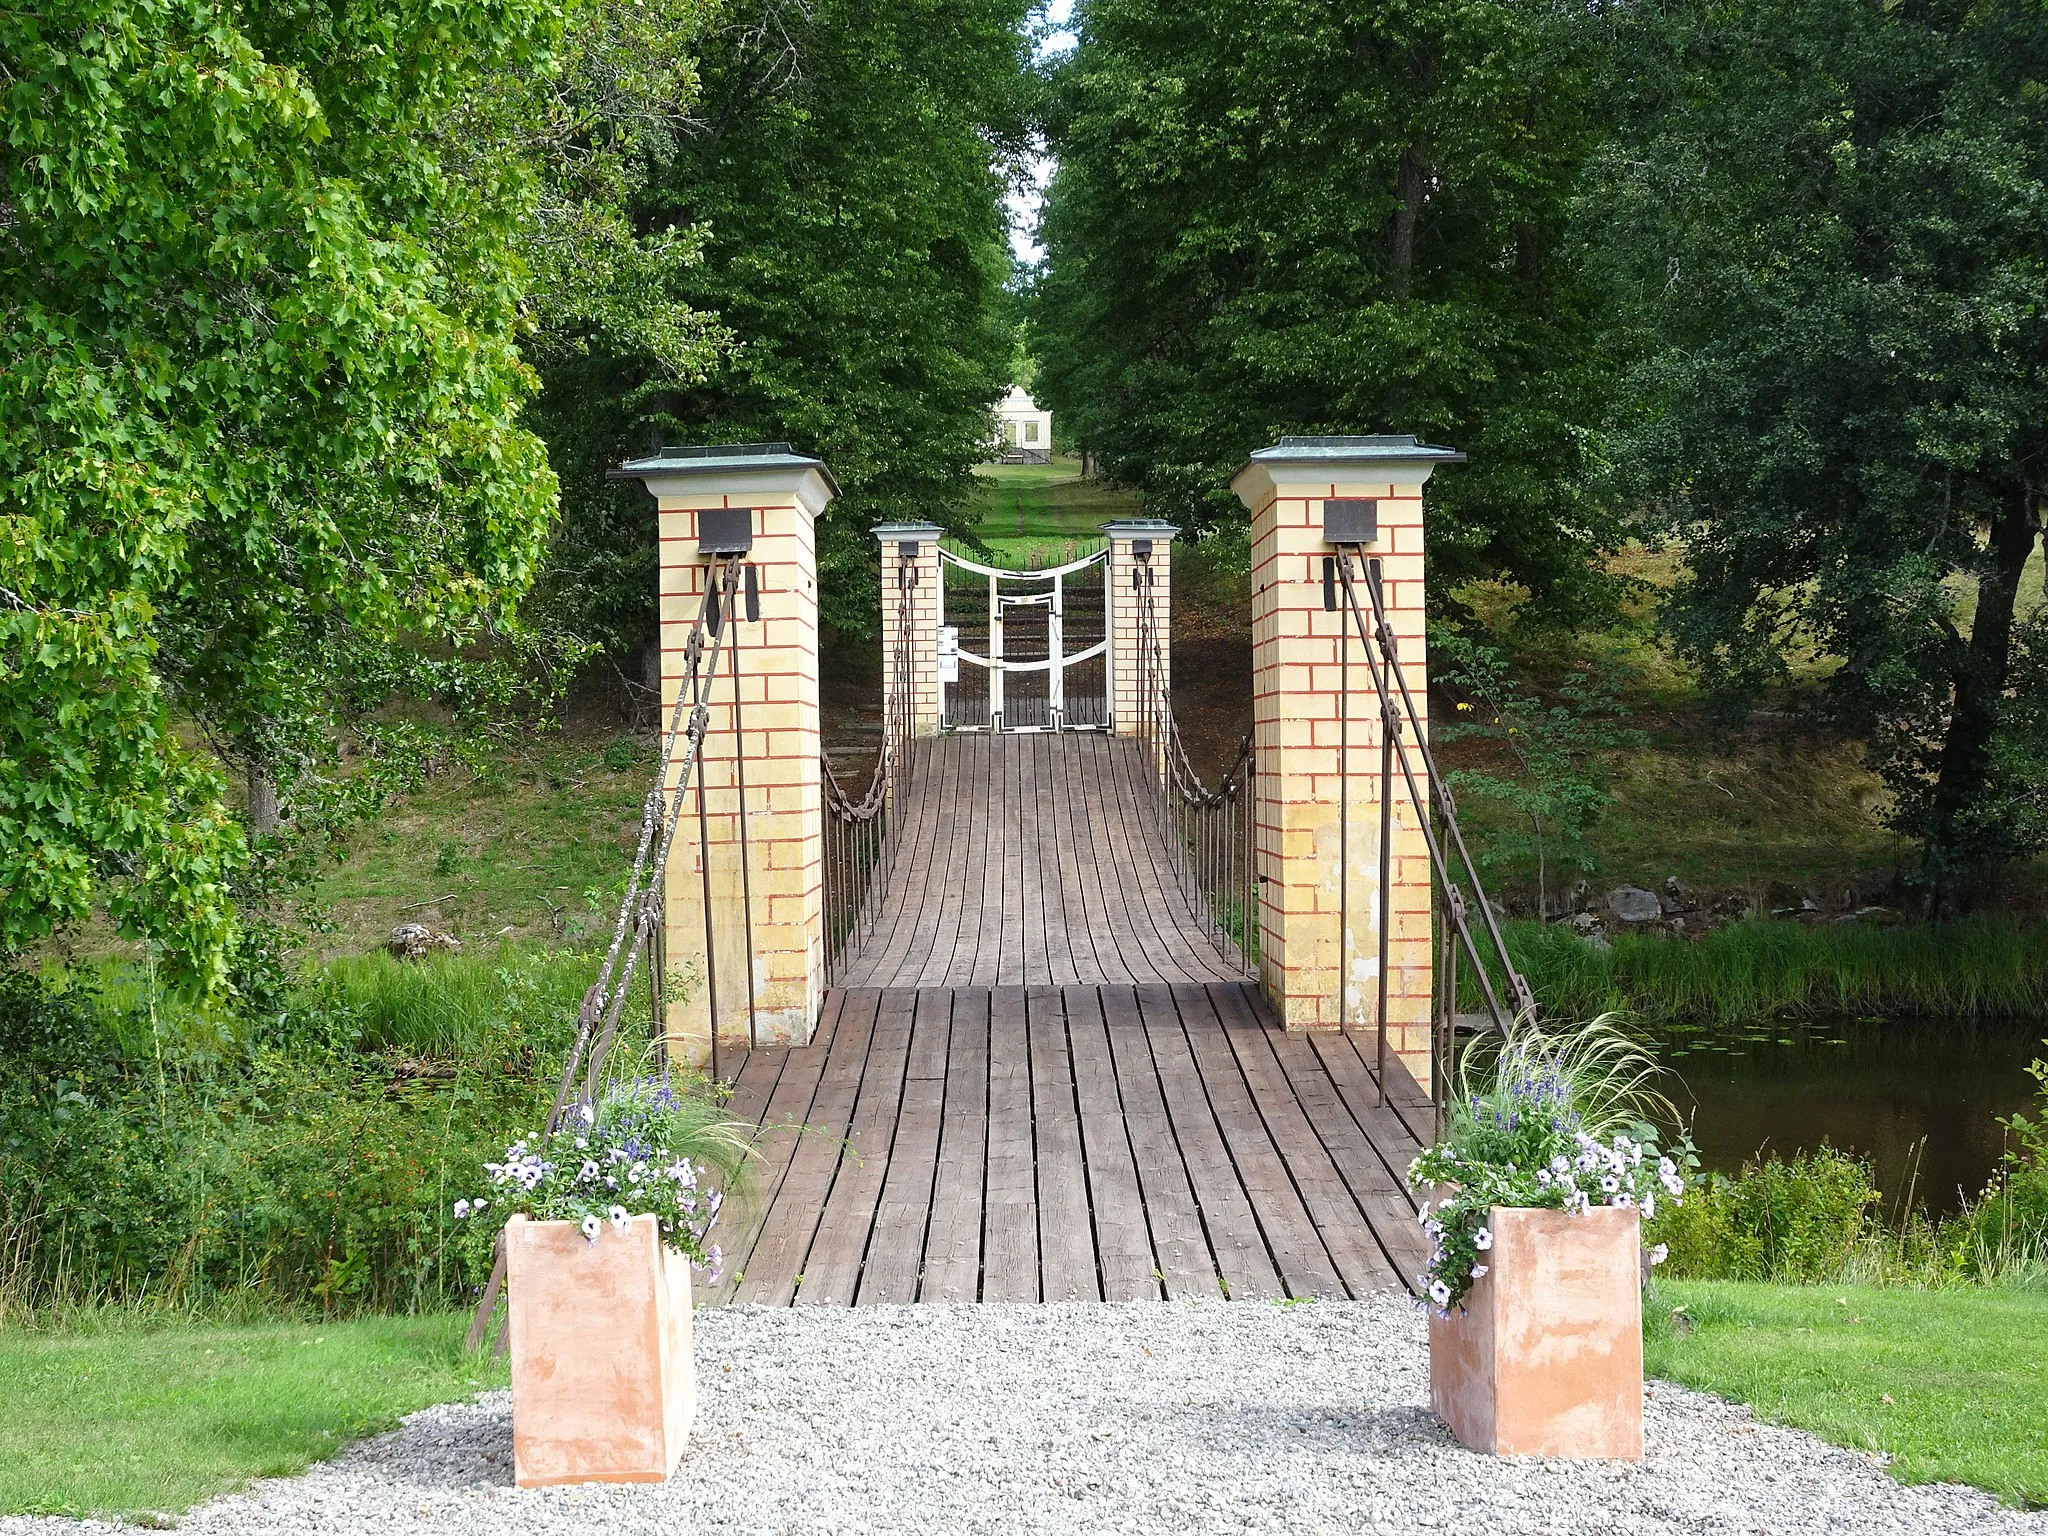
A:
x,y
2004,1233
308,1159
1796,1222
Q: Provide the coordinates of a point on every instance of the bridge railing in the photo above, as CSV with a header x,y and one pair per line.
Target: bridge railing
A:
x,y
1210,831
859,848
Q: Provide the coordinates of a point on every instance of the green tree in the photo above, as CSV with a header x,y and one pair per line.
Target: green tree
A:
x,y
846,169
1827,223
258,431
1305,217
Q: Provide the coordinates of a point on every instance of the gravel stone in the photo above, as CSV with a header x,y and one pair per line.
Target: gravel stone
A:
x,y
1183,1417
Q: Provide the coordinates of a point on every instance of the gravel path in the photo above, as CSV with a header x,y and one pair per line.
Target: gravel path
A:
x,y
1180,1418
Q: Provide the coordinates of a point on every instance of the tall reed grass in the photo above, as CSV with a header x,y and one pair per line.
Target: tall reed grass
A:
x,y
1761,970
456,1005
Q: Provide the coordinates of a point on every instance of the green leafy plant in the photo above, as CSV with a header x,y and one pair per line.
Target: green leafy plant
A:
x,y
2005,1230
1556,787
1797,1220
1551,1121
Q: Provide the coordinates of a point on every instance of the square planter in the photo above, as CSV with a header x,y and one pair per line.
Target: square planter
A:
x,y
1546,1359
604,1381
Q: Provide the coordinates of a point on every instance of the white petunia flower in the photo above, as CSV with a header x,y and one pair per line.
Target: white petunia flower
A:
x,y
1659,1254
591,1227
1482,1239
461,1209
620,1219
1440,1293
1478,1270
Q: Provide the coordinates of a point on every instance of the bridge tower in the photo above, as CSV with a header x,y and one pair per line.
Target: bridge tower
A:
x,y
1318,733
757,848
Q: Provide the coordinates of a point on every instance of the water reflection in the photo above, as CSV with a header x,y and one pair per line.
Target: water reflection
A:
x,y
1920,1098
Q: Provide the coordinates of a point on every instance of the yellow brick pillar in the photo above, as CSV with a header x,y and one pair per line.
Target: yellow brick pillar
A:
x,y
910,589
1320,972
772,495
1140,565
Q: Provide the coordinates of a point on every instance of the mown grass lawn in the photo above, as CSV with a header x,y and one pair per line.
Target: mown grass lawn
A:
x,y
1952,1385
133,1420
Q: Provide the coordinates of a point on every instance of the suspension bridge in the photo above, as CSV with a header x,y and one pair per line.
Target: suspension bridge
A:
x,y
1039,1012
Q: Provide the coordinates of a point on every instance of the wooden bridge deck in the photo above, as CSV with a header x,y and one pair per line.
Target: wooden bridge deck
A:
x,y
1032,860
1114,1143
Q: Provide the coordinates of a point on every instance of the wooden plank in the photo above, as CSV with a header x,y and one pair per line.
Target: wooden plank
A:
x,y
1392,1142
895,1257
1305,1264
988,810
749,1200
792,1219
754,1083
1009,1243
831,1272
945,938
1066,1238
1009,970
1236,1237
1345,1223
1123,1241
1117,953
1181,1248
1377,1192
952,1262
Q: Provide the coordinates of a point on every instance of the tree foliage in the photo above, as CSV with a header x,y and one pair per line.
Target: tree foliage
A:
x,y
259,424
845,171
1316,218
1827,223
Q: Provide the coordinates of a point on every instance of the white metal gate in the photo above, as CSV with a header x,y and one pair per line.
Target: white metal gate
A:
x,y
1024,650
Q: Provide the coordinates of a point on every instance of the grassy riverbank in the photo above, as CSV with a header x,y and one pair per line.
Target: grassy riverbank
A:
x,y
1951,1385
125,1418
1766,969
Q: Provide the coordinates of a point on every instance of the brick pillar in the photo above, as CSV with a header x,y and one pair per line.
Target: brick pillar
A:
x,y
783,493
917,578
1154,572
1297,727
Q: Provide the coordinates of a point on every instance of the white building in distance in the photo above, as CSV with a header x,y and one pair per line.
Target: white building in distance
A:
x,y
1023,431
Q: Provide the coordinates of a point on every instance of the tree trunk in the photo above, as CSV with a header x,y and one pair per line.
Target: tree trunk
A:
x,y
1979,685
262,799
1410,182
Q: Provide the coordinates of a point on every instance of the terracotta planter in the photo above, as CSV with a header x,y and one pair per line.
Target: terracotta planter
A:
x,y
604,1382
1546,1359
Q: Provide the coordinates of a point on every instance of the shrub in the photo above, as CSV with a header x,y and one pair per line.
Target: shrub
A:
x,y
310,1158
1790,1221
2004,1233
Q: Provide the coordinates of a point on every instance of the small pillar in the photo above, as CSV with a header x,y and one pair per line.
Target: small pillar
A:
x,y
781,898
1140,563
1297,711
910,581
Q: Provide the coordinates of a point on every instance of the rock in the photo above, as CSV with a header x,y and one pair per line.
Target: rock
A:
x,y
1579,897
413,941
1633,904
1677,898
1596,941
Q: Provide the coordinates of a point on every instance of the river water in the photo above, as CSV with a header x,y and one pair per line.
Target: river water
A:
x,y
1920,1098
